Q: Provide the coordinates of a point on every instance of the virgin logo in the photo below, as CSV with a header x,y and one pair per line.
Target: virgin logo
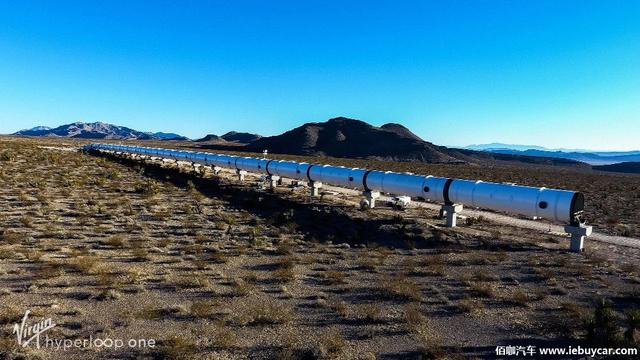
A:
x,y
27,333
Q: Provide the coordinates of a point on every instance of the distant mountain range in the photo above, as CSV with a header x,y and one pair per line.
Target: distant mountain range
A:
x,y
587,156
97,130
342,137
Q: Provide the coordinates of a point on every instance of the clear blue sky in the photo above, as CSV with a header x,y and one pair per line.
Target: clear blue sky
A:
x,y
552,73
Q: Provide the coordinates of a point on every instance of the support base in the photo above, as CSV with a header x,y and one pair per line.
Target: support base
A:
x,y
578,233
451,214
315,188
273,181
369,200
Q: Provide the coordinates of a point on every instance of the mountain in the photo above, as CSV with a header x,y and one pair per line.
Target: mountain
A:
x,y
36,129
590,158
624,167
502,146
344,137
351,138
169,136
211,138
232,138
401,130
97,130
241,137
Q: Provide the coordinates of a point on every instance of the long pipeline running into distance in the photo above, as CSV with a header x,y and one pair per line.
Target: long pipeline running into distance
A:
x,y
551,204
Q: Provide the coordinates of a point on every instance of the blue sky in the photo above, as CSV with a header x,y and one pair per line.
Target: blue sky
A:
x,y
552,73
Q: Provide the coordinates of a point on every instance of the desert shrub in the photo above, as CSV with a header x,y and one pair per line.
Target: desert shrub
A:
x,y
153,313
481,289
399,287
177,347
148,189
334,277
338,306
7,155
241,287
223,337
116,241
14,238
266,312
368,263
48,271
629,268
632,322
284,275
284,248
204,308
370,313
330,345
85,264
601,327
140,254
10,314
468,305
520,298
413,317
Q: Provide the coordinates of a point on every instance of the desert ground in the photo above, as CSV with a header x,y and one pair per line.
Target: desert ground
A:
x,y
211,268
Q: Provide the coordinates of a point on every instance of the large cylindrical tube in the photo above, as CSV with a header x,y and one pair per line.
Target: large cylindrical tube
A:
x,y
553,204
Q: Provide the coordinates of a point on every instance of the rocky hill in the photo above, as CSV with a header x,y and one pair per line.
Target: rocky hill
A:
x,y
97,130
350,138
231,136
624,167
344,137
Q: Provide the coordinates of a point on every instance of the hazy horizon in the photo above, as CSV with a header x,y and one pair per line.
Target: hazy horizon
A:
x,y
554,74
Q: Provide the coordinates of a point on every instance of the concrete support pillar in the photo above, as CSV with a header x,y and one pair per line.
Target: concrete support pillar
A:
x,y
578,233
315,188
451,212
369,200
241,174
195,167
298,183
401,202
273,181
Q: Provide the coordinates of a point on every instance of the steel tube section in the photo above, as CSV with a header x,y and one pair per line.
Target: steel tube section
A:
x,y
552,204
541,202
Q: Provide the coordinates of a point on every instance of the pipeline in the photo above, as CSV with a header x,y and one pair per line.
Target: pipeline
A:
x,y
552,204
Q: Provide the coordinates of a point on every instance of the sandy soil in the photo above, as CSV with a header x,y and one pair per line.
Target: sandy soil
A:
x,y
210,268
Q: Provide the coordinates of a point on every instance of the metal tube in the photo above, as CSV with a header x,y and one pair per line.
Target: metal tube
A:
x,y
552,204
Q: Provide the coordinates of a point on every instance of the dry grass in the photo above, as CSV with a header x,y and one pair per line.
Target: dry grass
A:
x,y
265,313
177,347
400,287
229,271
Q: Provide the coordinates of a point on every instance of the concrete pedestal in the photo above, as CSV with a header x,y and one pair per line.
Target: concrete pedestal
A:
x,y
315,188
273,181
298,183
578,233
369,200
451,214
401,202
